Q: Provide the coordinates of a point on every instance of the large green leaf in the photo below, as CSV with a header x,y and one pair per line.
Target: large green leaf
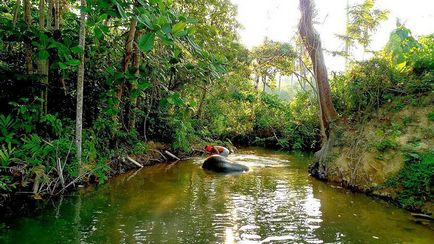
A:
x,y
121,11
146,42
73,62
178,27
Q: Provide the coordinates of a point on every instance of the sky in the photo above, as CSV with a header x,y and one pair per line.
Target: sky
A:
x,y
278,19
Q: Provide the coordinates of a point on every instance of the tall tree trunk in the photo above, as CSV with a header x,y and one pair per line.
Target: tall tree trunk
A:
x,y
133,101
57,14
125,63
16,11
80,85
280,80
51,11
42,14
43,64
312,42
201,102
28,44
257,82
264,82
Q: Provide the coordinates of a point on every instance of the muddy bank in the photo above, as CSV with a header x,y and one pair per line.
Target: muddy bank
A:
x,y
388,155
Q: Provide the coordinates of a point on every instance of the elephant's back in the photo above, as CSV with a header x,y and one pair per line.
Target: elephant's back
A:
x,y
220,164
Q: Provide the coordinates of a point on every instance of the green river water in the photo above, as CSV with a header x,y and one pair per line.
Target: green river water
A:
x,y
275,202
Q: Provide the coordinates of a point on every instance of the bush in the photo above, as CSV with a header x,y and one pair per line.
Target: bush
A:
x,y
369,83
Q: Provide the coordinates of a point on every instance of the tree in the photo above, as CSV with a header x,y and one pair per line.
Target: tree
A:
x,y
362,22
80,85
43,63
312,42
29,51
270,58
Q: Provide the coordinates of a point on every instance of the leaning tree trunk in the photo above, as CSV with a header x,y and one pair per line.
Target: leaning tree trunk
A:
x,y
312,42
134,85
28,44
80,84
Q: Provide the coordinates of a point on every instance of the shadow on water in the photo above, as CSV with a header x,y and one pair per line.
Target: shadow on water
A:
x,y
276,201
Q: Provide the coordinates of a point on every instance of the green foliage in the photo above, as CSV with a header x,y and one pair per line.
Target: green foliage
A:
x,y
422,58
6,183
6,154
407,120
385,144
415,181
431,116
364,21
401,43
367,87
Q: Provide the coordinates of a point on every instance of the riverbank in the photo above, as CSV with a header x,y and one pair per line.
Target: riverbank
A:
x,y
389,154
26,195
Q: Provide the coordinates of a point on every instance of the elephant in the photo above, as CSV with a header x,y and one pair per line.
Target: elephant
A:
x,y
220,164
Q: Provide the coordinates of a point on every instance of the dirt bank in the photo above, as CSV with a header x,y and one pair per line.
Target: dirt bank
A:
x,y
369,154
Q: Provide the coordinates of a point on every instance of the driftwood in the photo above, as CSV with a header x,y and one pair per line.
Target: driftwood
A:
x,y
134,162
60,172
422,216
162,155
172,155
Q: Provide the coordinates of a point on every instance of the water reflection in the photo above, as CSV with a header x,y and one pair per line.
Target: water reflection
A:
x,y
276,202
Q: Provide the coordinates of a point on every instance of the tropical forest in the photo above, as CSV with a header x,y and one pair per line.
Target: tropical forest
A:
x,y
216,121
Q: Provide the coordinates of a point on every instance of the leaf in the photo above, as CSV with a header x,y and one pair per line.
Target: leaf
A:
x,y
73,62
144,19
102,17
43,55
76,49
178,27
144,85
121,11
166,28
98,33
146,42
142,3
62,65
104,28
181,33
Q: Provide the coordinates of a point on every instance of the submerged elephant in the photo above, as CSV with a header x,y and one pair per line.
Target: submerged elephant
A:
x,y
218,163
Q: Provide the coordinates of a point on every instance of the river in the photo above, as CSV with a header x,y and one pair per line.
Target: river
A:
x,y
275,202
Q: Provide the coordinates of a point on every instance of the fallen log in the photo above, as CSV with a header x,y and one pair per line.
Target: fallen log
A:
x,y
172,155
134,162
422,216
